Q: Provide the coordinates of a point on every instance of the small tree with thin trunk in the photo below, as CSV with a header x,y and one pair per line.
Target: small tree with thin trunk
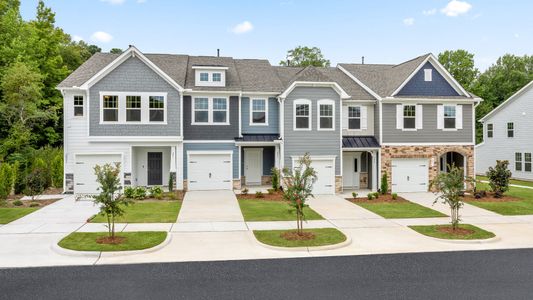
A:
x,y
110,201
499,177
299,187
450,187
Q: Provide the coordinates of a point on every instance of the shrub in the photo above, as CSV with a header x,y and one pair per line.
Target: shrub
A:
x,y
6,180
45,171
129,192
259,194
19,178
245,191
480,194
271,191
499,176
18,203
35,204
171,180
394,196
370,196
275,178
156,192
139,193
384,184
376,195
36,182
354,195
56,166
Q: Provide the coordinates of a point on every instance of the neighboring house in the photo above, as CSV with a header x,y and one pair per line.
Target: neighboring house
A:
x,y
506,135
224,123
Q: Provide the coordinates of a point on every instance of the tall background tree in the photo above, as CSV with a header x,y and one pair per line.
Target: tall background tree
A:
x,y
303,56
460,63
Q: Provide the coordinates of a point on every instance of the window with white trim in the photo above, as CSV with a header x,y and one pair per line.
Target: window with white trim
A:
x,y
302,115
78,106
527,162
220,110
110,108
354,117
157,108
201,110
518,161
510,129
428,74
326,112
449,116
204,76
258,112
133,108
217,77
409,116
490,130
210,111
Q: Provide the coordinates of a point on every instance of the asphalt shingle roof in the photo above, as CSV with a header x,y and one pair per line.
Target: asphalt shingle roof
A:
x,y
88,69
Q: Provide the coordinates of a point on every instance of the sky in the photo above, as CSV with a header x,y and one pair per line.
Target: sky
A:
x,y
381,31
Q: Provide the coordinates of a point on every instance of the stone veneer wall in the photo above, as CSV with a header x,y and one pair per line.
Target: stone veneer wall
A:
x,y
433,153
237,184
338,184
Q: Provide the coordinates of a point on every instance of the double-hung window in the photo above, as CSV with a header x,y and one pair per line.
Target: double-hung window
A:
x,y
204,76
217,77
302,115
259,112
326,111
354,117
449,117
518,161
110,108
409,117
490,130
157,108
133,108
527,162
207,110
78,106
510,129
201,110
220,110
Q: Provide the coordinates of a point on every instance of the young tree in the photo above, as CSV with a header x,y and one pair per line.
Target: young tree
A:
x,y
450,185
499,176
299,187
35,182
384,184
303,56
460,63
110,201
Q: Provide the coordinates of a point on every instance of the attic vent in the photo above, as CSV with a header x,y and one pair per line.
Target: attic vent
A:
x,y
428,74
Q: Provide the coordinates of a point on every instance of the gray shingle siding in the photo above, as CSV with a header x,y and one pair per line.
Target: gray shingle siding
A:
x,y
273,117
211,132
268,159
212,147
134,76
376,122
314,142
429,133
438,86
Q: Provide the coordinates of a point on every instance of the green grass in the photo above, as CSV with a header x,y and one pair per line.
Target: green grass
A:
x,y
524,206
265,210
512,181
86,241
400,210
10,214
323,236
431,230
147,212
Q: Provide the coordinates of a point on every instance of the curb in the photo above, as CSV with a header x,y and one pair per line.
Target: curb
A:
x,y
343,244
473,242
95,254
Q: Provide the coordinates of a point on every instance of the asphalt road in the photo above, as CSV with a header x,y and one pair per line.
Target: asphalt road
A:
x,y
504,274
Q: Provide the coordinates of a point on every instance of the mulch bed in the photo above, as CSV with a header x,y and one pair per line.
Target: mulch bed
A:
x,y
490,198
381,199
457,231
276,196
294,236
27,203
110,240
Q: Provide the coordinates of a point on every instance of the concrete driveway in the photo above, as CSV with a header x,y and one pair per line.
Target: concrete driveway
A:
x,y
210,206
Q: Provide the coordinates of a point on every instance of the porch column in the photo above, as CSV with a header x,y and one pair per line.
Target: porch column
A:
x,y
173,168
276,156
374,171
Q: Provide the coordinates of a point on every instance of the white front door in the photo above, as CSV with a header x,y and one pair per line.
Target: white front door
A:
x,y
209,171
351,168
410,175
84,177
253,165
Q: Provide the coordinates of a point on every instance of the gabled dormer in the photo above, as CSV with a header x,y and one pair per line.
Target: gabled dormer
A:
x,y
210,75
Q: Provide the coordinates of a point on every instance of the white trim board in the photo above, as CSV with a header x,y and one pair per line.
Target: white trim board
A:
x,y
333,85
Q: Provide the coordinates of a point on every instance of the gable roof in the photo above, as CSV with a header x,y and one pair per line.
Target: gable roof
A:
x,y
257,75
87,70
233,82
516,95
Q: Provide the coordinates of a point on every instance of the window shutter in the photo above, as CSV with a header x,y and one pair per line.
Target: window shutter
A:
x,y
364,117
399,116
419,116
440,117
345,111
459,117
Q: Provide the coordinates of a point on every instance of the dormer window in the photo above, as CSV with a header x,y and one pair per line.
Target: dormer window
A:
x,y
210,75
217,77
204,76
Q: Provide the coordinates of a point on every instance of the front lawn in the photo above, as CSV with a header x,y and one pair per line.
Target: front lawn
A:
x,y
522,206
464,232
146,212
10,214
398,208
268,210
322,237
512,181
86,241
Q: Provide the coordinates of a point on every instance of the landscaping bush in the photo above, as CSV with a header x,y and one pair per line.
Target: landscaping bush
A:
x,y
245,191
384,184
271,191
156,192
354,195
57,171
129,192
44,169
480,194
17,203
19,178
370,196
259,194
499,177
275,178
35,204
171,180
6,180
36,182
376,195
394,196
139,193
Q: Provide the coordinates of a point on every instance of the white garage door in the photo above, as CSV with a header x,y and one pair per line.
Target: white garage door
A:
x,y
84,178
209,171
325,173
410,175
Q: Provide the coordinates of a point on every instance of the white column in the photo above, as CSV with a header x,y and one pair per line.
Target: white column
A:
x,y
276,156
173,159
179,166
374,171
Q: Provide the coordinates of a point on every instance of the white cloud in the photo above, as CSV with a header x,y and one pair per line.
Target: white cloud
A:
x,y
409,21
101,36
455,8
429,12
77,38
114,2
243,27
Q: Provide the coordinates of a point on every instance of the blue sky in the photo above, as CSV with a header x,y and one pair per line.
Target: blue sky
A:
x,y
382,31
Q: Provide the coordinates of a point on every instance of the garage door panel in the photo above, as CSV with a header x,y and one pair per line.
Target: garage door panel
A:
x,y
210,172
409,175
325,172
84,177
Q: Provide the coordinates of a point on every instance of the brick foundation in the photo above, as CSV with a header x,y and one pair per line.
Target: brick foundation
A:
x,y
433,153
237,184
338,184
266,180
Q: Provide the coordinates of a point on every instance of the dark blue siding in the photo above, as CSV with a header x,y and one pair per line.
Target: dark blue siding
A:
x,y
418,87
268,159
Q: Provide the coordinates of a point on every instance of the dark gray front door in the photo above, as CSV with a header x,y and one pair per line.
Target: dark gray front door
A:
x,y
155,168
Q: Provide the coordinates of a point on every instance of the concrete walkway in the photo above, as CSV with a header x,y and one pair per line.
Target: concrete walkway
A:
x,y
210,206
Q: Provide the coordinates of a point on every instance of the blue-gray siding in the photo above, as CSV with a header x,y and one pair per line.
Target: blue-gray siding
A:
x,y
429,133
438,86
134,76
211,132
212,147
268,159
313,142
273,117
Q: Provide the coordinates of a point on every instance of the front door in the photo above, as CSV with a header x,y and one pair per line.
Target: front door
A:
x,y
253,166
351,170
155,168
